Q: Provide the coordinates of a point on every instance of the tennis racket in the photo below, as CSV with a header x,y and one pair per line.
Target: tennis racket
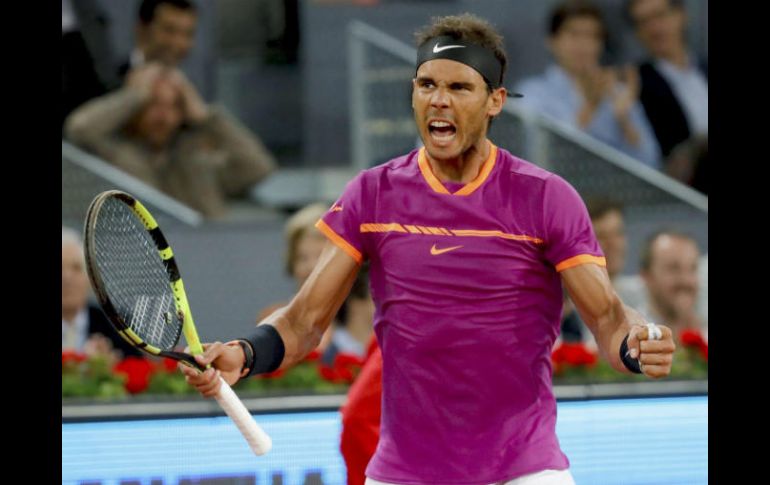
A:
x,y
137,282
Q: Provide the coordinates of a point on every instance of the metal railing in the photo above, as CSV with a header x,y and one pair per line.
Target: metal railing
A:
x,y
83,176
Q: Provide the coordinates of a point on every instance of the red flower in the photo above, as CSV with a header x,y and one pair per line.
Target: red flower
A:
x,y
344,370
329,373
169,365
313,356
347,360
273,375
72,356
572,355
693,338
138,370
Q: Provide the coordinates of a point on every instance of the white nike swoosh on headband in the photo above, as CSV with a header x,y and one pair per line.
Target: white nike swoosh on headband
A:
x,y
437,49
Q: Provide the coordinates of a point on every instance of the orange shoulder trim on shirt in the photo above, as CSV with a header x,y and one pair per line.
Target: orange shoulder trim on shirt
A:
x,y
580,259
339,241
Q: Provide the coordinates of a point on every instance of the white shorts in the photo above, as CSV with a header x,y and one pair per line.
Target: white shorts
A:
x,y
545,477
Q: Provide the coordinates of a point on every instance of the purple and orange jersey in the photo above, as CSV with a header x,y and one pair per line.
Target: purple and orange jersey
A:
x,y
465,280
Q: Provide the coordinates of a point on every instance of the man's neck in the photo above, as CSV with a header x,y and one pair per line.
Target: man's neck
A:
x,y
464,168
676,56
69,314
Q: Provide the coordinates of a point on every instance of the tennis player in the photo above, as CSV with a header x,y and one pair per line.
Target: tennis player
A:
x,y
468,247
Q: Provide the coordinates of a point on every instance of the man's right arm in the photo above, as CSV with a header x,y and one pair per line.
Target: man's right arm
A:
x,y
300,324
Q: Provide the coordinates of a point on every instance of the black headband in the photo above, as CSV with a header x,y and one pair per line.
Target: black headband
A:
x,y
479,58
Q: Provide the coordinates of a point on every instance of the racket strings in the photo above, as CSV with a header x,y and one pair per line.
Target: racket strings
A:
x,y
134,276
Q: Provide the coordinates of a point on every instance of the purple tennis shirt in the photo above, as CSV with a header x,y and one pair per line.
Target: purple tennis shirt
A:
x,y
465,280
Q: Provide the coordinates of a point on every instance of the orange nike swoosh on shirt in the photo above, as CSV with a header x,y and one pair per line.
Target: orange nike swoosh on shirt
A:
x,y
435,251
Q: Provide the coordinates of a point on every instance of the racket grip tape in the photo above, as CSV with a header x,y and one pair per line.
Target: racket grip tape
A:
x,y
258,440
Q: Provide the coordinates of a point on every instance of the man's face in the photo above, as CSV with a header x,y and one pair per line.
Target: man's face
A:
x,y
74,281
672,278
611,234
169,37
161,118
452,107
578,44
659,25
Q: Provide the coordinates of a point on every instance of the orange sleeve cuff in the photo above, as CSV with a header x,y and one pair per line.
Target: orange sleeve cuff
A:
x,y
580,259
339,241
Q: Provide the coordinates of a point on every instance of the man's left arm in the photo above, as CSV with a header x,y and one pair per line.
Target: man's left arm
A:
x,y
610,322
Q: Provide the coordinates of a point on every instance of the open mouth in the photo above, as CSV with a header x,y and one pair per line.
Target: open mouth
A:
x,y
441,131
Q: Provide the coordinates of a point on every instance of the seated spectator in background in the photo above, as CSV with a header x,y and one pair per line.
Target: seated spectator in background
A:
x,y
88,67
84,328
165,33
674,83
351,328
158,129
669,263
577,90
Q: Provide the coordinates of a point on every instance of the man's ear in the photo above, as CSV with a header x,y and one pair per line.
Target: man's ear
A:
x,y
497,98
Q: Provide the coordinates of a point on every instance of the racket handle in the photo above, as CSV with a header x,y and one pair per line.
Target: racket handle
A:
x,y
258,440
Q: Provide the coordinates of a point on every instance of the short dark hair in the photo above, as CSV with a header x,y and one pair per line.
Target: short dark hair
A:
x,y
469,28
598,207
630,5
645,259
148,8
575,8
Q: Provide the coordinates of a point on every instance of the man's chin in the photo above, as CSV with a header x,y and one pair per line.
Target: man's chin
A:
x,y
442,152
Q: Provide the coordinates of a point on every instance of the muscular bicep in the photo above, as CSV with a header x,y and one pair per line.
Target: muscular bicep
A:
x,y
590,289
304,320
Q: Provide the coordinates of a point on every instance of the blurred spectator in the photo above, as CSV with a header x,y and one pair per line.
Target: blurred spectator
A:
x,y
577,90
674,84
351,328
88,67
158,129
165,32
669,268
84,328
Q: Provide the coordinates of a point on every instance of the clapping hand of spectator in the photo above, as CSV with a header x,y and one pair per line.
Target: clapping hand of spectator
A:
x,y
624,90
